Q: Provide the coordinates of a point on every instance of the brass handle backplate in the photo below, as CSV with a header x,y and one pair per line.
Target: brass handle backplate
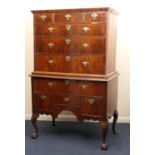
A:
x,y
94,15
50,45
67,58
43,97
85,45
50,62
67,41
91,101
84,86
66,99
68,27
50,29
43,17
68,16
85,63
85,29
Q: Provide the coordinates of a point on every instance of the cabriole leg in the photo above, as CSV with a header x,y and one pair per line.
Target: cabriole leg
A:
x,y
34,118
115,118
104,126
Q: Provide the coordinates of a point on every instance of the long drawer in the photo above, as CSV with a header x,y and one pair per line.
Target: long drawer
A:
x,y
69,45
69,86
71,63
70,17
95,29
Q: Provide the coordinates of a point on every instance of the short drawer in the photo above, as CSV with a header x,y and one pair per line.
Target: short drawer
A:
x,y
51,85
42,102
69,45
95,16
91,64
68,17
67,100
95,29
92,106
43,18
89,88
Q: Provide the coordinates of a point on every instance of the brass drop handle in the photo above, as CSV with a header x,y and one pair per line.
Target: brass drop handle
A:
x,y
50,62
66,99
85,63
43,97
50,29
84,86
85,29
94,15
68,16
85,45
91,101
50,84
66,82
50,45
68,27
67,58
43,17
67,41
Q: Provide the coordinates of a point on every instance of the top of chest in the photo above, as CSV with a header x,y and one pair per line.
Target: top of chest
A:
x,y
88,15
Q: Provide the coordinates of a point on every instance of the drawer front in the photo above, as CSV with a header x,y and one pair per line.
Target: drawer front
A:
x,y
67,100
95,16
52,85
68,18
89,88
43,102
92,106
69,86
72,45
43,18
70,29
91,64
53,63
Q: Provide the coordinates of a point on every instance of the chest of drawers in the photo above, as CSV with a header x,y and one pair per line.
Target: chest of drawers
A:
x,y
74,65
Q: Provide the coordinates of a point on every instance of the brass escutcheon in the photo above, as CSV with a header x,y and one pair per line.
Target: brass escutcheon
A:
x,y
68,27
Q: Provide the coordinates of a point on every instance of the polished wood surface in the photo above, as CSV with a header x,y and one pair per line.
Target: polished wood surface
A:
x,y
49,45
91,64
74,65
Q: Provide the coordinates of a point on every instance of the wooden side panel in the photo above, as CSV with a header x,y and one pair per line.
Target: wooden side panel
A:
x,y
111,42
112,96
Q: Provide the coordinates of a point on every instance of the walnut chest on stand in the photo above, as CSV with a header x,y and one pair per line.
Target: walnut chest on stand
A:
x,y
74,65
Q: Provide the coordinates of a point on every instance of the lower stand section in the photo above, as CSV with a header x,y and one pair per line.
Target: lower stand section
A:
x,y
35,132
104,126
